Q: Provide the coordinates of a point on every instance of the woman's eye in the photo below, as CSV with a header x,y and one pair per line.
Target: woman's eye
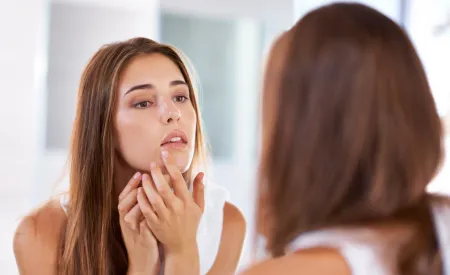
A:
x,y
181,98
142,105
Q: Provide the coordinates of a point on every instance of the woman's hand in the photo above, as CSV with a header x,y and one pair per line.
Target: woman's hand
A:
x,y
141,245
173,217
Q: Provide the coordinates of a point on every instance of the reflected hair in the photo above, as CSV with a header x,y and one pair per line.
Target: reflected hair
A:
x,y
355,137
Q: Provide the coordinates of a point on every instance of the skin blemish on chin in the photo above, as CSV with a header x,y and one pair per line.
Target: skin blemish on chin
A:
x,y
179,161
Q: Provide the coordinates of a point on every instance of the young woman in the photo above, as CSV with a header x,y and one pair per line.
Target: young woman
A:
x,y
351,139
137,149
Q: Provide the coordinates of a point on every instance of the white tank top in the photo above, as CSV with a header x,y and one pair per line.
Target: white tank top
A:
x,y
367,256
210,227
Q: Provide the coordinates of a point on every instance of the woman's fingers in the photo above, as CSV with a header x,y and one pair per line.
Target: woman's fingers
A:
x,y
133,217
162,186
179,184
146,208
146,231
153,197
127,203
199,191
131,185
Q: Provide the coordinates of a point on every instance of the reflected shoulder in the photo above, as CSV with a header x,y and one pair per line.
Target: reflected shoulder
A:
x,y
36,239
233,219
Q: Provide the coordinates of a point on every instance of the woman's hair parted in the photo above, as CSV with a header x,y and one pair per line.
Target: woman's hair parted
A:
x,y
355,136
92,242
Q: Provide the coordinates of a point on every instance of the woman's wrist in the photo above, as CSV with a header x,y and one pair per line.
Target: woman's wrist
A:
x,y
188,248
151,270
142,272
136,272
185,261
130,272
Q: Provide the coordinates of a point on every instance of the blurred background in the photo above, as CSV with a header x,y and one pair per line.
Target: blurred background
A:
x,y
46,43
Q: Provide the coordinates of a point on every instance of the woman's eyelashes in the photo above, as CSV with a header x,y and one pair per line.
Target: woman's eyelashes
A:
x,y
180,98
142,104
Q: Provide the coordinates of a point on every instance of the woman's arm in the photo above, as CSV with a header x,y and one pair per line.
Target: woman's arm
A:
x,y
36,241
231,242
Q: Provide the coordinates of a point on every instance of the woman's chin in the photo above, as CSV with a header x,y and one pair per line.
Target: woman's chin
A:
x,y
179,159
182,167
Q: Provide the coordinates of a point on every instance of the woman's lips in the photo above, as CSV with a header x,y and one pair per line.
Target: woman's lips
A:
x,y
174,145
176,139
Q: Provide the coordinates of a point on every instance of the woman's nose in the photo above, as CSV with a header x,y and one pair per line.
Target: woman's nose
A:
x,y
168,111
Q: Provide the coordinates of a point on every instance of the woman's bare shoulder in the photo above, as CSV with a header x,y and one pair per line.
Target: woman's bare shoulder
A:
x,y
233,218
37,237
234,227
316,261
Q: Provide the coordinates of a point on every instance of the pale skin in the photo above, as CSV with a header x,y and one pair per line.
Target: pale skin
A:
x,y
152,102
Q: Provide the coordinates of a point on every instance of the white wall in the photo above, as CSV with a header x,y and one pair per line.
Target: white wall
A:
x,y
276,15
277,11
22,74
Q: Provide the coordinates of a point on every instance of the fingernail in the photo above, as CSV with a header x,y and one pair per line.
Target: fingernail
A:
x,y
137,175
145,177
153,165
165,153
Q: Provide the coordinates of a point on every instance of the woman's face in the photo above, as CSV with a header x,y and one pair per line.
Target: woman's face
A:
x,y
154,113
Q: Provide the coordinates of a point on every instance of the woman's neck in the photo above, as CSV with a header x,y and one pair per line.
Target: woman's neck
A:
x,y
122,175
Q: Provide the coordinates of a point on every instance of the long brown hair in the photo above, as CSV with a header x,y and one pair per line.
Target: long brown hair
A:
x,y
92,242
355,137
